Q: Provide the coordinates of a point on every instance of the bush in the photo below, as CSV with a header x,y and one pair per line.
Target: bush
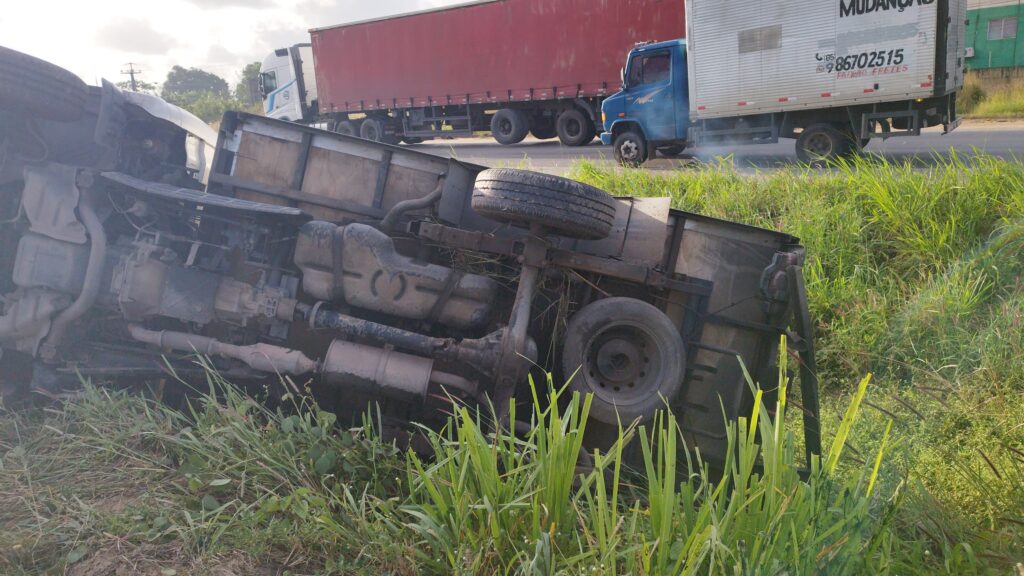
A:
x,y
209,107
972,95
992,98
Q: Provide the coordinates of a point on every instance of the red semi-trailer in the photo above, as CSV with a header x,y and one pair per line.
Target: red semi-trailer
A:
x,y
512,67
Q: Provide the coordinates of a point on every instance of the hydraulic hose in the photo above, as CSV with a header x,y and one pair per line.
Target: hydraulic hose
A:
x,y
396,212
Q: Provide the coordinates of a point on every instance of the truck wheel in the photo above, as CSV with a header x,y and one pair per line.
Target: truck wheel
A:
x,y
37,88
630,149
373,129
626,353
509,126
347,128
565,207
820,143
574,128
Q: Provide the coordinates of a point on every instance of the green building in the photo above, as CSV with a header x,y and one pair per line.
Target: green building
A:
x,y
995,36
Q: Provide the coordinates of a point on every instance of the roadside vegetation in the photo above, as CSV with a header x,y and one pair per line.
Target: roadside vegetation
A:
x,y
992,99
203,93
914,274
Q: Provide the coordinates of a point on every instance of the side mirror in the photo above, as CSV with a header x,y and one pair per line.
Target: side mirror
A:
x,y
261,87
622,76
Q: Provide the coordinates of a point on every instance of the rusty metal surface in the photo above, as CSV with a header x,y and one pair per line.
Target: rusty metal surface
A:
x,y
639,234
358,264
198,197
49,199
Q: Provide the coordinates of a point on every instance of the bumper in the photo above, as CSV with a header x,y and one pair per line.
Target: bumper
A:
x,y
606,138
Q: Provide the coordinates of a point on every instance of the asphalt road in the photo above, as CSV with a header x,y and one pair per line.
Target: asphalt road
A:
x,y
1004,139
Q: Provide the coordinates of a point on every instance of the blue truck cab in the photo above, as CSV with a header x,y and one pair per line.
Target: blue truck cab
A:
x,y
652,111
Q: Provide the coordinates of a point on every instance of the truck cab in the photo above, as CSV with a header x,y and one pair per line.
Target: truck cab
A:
x,y
652,110
287,84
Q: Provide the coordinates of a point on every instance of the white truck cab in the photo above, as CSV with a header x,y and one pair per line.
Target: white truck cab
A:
x,y
287,84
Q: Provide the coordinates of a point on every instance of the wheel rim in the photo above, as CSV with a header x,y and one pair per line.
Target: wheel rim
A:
x,y
630,151
372,132
819,145
623,364
573,128
505,127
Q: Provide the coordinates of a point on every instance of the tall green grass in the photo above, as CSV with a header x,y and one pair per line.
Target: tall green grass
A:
x,y
914,273
995,99
876,233
492,504
230,474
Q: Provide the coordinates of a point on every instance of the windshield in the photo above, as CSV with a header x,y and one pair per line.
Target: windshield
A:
x,y
268,83
650,69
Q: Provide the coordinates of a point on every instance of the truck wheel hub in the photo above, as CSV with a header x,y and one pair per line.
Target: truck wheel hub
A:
x,y
820,144
629,150
620,362
573,128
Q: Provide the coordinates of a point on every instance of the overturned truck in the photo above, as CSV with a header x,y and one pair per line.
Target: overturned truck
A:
x,y
132,241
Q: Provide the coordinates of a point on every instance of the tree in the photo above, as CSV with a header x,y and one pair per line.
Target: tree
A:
x,y
140,85
182,81
243,90
207,95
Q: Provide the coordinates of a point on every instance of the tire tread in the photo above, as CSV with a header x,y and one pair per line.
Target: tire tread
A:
x,y
39,88
567,207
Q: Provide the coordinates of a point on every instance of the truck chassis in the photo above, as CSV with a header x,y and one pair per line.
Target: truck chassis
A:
x,y
374,273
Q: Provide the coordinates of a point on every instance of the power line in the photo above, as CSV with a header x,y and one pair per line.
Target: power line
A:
x,y
131,72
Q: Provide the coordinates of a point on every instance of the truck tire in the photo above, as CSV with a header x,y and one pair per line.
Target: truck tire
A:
x,y
565,207
626,353
630,149
509,126
37,88
373,129
821,143
347,128
574,128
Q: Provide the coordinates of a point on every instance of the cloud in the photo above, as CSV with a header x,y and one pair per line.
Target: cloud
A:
x,y
322,13
134,35
216,4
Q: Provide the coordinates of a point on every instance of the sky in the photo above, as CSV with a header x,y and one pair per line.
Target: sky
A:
x,y
97,38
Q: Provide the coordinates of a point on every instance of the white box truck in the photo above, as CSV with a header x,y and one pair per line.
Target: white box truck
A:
x,y
831,73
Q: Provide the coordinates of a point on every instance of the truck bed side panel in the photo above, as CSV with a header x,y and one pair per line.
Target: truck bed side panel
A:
x,y
800,55
508,50
956,45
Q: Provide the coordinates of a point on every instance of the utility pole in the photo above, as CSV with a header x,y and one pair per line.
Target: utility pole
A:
x,y
131,72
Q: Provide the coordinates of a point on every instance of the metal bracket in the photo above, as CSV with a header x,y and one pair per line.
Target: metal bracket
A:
x,y
808,362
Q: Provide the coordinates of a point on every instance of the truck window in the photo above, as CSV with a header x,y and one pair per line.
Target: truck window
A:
x,y
268,82
650,69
